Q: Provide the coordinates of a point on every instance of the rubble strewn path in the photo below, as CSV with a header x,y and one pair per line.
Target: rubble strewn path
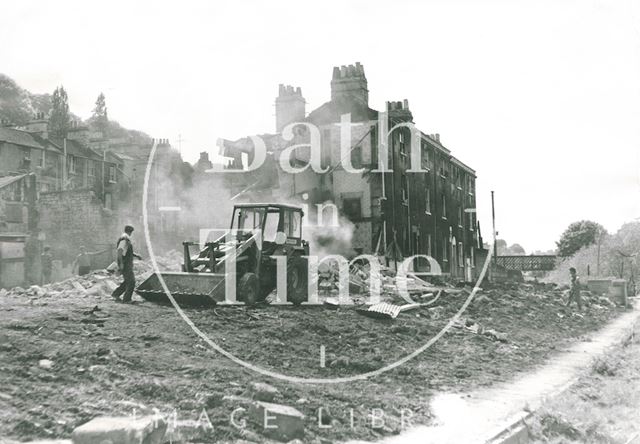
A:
x,y
69,354
480,416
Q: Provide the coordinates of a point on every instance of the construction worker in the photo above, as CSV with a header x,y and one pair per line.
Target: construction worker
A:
x,y
124,260
83,261
46,265
574,289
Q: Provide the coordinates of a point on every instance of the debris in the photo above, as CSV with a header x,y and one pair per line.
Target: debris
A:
x,y
78,286
332,303
263,392
45,363
121,430
277,421
496,336
380,311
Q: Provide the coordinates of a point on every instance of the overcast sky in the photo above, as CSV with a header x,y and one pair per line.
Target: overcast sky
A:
x,y
542,98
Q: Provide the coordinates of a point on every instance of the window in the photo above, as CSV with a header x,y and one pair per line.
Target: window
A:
x,y
249,219
404,186
460,255
271,226
460,215
427,201
42,159
374,145
445,249
426,157
72,162
291,223
428,242
112,174
92,168
444,206
351,207
356,156
401,145
326,147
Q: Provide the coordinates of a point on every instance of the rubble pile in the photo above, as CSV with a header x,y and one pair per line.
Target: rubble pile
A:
x,y
98,283
360,279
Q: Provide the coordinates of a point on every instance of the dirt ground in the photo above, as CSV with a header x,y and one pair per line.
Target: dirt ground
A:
x,y
601,408
106,358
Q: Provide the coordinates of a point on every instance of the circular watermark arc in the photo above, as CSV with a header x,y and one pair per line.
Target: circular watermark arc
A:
x,y
270,373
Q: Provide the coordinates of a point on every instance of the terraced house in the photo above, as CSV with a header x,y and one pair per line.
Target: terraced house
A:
x,y
398,213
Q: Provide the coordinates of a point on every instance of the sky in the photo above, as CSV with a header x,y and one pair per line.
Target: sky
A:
x,y
541,98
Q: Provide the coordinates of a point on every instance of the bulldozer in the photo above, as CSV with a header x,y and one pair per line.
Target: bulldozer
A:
x,y
259,234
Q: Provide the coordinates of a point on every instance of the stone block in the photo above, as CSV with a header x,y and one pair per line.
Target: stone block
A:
x,y
263,392
599,286
121,430
277,421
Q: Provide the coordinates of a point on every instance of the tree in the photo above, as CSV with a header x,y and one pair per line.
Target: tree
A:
x,y
59,119
99,118
516,250
578,235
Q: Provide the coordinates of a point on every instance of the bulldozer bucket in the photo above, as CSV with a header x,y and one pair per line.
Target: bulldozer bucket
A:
x,y
188,289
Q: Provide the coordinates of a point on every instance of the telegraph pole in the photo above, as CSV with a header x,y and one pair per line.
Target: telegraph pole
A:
x,y
493,216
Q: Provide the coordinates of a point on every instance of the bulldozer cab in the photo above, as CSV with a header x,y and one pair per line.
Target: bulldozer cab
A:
x,y
278,224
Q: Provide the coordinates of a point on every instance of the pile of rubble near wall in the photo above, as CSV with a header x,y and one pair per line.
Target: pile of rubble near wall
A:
x,y
97,283
360,277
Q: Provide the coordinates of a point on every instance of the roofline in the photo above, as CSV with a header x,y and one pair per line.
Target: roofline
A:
x,y
276,205
463,166
435,143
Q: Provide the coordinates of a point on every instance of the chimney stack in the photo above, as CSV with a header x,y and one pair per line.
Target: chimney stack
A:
x,y
400,110
38,125
350,83
79,132
290,106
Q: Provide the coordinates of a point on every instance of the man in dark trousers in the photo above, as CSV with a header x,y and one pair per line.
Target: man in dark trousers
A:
x,y
125,257
574,289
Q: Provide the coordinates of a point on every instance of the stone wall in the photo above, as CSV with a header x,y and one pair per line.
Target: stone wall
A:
x,y
73,218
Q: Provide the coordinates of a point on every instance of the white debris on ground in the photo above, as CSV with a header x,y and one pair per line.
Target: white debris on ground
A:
x,y
98,283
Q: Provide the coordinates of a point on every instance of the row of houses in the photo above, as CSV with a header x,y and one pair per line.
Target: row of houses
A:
x,y
66,193
60,163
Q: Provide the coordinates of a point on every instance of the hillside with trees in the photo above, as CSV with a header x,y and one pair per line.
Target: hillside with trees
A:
x,y
18,106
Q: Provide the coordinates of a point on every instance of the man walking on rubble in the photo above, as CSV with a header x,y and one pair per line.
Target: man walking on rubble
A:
x,y
124,259
574,289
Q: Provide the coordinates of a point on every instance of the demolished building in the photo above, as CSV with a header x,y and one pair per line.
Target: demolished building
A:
x,y
397,213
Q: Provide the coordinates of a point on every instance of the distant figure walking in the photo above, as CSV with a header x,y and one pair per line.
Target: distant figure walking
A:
x,y
574,289
125,257
46,265
83,261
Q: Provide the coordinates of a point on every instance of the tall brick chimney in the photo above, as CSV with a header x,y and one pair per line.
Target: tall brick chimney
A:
x,y
349,82
400,111
37,125
290,106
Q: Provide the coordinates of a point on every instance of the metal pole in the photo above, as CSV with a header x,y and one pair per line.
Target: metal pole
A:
x,y
598,260
493,216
